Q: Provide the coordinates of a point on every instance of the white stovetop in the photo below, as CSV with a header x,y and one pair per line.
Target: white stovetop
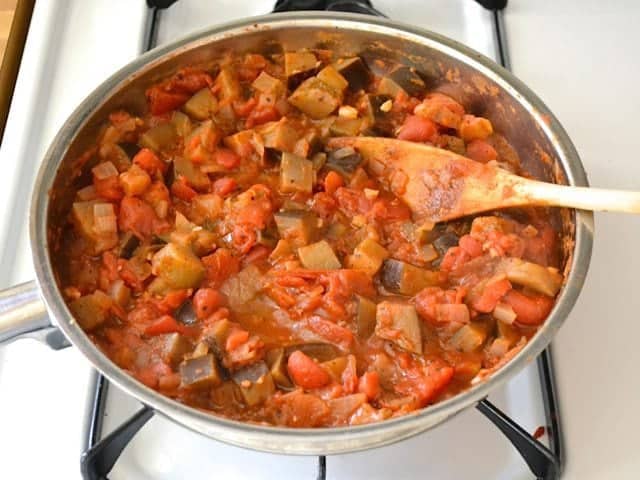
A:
x,y
579,56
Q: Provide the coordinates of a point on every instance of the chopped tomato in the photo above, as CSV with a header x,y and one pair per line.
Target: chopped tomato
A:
x,y
369,384
418,129
220,265
236,338
427,382
305,372
181,189
481,151
108,188
262,114
206,301
530,310
226,158
331,332
138,217
165,324
161,101
332,182
428,300
172,300
491,295
454,259
149,161
256,254
224,186
470,245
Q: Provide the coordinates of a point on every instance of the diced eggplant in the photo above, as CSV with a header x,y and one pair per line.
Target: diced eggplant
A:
x,y
226,394
186,313
531,275
255,382
322,352
315,98
242,287
280,135
469,338
344,161
159,137
297,226
319,256
128,243
266,237
182,123
91,311
278,368
178,266
192,173
318,160
296,174
333,79
335,367
202,349
399,323
408,79
381,122
229,85
406,279
174,347
265,83
82,214
346,127
217,333
444,242
201,105
200,373
368,256
298,66
354,71
365,317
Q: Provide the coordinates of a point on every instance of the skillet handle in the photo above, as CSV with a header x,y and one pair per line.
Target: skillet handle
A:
x,y
23,315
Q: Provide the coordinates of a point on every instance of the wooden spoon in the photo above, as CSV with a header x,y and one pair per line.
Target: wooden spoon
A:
x,y
440,185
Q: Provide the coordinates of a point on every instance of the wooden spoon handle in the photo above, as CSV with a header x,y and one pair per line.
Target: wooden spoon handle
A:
x,y
596,199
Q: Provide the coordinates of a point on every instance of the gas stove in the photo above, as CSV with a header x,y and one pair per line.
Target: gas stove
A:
x,y
71,48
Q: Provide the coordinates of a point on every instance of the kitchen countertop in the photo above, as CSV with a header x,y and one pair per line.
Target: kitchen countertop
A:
x,y
580,56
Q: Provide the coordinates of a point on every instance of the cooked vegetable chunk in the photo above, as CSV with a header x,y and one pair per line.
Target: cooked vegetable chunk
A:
x,y
398,322
174,348
200,373
299,227
178,266
255,382
319,256
406,279
201,105
354,71
315,98
296,173
91,311
298,66
366,317
368,256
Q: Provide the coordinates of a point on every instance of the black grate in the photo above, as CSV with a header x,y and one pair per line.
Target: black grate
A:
x,y
545,463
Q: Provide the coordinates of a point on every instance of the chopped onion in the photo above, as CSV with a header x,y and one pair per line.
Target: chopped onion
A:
x,y
504,313
429,252
104,170
162,208
347,111
104,218
87,193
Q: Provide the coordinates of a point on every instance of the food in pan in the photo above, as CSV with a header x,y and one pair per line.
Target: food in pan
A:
x,y
222,254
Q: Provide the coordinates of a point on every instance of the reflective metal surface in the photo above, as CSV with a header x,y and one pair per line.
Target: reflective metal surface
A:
x,y
482,86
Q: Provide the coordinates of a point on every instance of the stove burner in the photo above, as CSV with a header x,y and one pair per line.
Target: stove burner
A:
x,y
545,463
